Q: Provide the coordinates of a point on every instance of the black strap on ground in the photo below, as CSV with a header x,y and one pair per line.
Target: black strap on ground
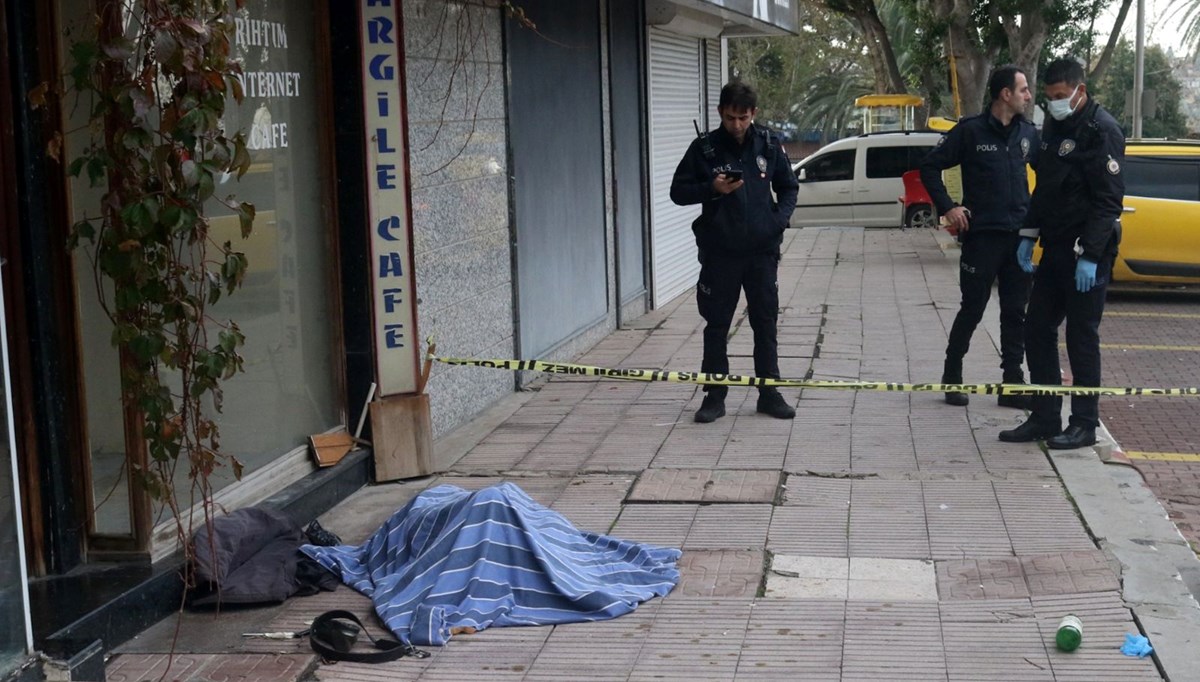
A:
x,y
333,637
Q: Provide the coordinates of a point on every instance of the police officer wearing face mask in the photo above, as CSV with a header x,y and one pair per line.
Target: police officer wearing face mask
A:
x,y
1075,211
732,172
992,148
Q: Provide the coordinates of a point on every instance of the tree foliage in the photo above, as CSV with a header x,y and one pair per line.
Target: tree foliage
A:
x,y
158,75
1111,92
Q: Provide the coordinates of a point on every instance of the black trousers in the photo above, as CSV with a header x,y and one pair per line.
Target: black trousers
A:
x,y
1054,299
722,280
987,256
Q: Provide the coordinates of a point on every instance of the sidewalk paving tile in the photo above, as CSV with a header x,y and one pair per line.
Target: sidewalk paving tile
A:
x,y
721,573
793,640
658,524
729,526
209,667
1069,573
812,531
694,640
980,579
892,641
706,485
606,650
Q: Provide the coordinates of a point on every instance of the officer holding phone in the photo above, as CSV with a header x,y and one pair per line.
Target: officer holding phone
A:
x,y
732,172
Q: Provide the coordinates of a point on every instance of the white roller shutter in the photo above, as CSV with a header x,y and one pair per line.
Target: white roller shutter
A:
x,y
676,99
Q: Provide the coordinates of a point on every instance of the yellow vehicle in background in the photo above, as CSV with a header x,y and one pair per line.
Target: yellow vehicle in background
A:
x,y
1160,240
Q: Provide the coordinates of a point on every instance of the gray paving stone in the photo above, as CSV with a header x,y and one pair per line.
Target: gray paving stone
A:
x,y
709,574
793,640
209,667
729,526
997,578
902,641
693,639
813,531
1069,573
658,524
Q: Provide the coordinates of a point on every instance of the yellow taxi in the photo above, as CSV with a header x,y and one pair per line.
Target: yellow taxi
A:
x,y
1160,240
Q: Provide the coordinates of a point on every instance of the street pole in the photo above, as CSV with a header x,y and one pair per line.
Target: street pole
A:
x,y
1139,68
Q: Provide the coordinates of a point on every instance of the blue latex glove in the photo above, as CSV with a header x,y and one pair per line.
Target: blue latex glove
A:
x,y
1136,645
1085,275
1025,254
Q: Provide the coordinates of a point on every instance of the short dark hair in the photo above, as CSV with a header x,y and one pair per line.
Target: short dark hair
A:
x,y
1066,70
1004,77
738,96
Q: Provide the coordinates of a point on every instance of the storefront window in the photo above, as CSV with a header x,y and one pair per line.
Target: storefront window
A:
x,y
287,391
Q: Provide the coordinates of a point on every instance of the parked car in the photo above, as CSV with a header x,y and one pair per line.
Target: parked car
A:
x,y
857,181
1160,240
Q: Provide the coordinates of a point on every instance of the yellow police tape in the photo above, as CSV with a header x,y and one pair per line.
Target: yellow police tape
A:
x,y
739,380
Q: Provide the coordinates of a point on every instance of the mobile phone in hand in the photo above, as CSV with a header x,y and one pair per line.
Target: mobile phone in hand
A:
x,y
732,175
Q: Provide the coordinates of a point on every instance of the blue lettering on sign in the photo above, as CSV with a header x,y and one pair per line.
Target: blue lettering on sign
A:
x,y
393,335
390,265
378,30
381,141
378,70
391,297
380,3
385,175
386,226
382,101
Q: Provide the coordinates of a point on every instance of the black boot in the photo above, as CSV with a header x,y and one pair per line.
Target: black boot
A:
x,y
771,403
1073,437
1021,402
1030,431
952,374
712,409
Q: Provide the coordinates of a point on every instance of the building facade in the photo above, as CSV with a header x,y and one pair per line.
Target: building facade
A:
x,y
427,169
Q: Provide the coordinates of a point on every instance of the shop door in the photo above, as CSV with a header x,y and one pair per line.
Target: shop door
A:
x,y
557,153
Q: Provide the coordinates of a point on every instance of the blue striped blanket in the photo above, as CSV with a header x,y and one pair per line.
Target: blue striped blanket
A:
x,y
453,558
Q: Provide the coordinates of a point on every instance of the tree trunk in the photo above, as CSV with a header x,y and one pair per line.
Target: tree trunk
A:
x,y
879,46
973,62
1025,42
883,56
1106,56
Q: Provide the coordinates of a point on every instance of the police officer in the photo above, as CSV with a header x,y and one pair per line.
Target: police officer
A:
x,y
993,149
731,172
1076,211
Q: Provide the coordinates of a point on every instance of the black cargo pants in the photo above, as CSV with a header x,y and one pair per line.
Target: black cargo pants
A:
x,y
987,256
1054,299
722,280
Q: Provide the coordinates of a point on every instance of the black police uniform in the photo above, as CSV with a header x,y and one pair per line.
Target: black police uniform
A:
x,y
996,192
1077,201
739,235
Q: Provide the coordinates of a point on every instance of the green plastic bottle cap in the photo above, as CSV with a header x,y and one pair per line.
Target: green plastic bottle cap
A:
x,y
1069,634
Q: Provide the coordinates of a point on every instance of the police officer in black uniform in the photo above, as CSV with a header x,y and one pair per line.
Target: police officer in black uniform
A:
x,y
1076,212
992,149
732,172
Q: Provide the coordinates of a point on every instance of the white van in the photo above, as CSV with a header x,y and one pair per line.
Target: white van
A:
x,y
856,181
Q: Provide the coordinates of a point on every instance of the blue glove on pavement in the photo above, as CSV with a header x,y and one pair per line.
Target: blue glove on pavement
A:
x,y
1136,645
1085,275
1025,254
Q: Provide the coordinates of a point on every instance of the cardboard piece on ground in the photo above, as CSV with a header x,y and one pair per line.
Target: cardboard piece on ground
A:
x,y
329,448
402,435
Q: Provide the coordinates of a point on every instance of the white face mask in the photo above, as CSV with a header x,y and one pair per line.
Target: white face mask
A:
x,y
1060,109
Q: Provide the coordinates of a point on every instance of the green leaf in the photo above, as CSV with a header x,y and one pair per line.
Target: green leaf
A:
x,y
95,170
206,186
76,167
246,217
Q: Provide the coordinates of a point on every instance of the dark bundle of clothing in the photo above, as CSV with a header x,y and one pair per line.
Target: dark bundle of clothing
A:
x,y
252,556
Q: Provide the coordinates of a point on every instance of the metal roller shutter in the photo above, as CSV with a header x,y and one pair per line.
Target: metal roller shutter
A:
x,y
676,99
